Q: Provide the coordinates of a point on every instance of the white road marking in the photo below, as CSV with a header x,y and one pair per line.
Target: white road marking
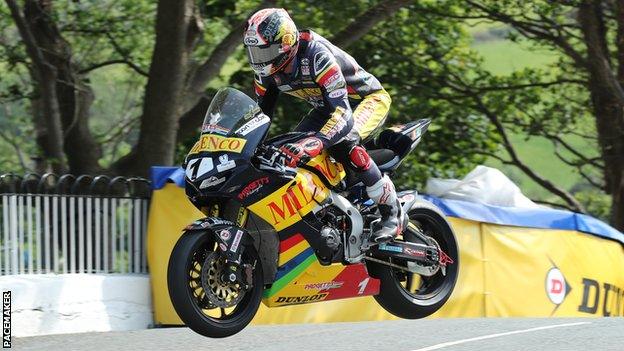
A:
x,y
491,336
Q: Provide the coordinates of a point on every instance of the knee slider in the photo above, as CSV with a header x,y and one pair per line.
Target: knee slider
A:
x,y
359,158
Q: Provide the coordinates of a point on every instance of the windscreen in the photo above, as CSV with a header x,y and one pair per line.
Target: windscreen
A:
x,y
229,110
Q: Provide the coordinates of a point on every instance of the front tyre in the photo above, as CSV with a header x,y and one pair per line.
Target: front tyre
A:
x,y
409,295
205,304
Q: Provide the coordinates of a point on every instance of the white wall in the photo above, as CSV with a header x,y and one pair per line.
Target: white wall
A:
x,y
72,303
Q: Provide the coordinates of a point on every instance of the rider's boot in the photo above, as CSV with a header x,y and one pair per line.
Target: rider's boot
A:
x,y
384,195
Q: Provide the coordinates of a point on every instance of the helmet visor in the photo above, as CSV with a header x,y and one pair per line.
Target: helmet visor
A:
x,y
265,54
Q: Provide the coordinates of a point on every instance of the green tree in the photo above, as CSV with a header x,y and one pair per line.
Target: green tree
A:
x,y
585,86
67,43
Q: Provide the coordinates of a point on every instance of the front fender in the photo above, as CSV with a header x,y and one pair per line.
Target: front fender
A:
x,y
231,238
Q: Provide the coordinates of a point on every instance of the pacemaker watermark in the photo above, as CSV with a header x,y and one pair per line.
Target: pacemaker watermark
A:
x,y
6,319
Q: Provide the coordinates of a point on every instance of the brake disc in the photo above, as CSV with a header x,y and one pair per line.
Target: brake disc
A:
x,y
220,294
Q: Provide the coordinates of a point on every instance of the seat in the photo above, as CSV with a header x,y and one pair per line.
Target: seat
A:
x,y
385,159
395,143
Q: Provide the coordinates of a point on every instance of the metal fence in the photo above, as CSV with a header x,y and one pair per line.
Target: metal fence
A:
x,y
68,224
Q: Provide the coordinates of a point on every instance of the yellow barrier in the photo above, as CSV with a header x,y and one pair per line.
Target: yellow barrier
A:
x,y
169,213
542,273
504,272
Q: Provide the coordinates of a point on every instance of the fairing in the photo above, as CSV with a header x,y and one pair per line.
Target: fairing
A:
x,y
233,129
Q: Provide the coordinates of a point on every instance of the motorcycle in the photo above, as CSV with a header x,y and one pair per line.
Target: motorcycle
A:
x,y
285,236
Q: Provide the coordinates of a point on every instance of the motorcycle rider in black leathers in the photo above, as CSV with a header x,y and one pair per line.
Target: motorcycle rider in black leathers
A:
x,y
349,103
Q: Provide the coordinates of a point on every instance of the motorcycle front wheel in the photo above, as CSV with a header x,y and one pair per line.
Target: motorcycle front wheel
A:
x,y
203,302
411,296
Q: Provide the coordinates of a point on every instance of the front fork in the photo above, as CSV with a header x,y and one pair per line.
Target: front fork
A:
x,y
229,242
214,210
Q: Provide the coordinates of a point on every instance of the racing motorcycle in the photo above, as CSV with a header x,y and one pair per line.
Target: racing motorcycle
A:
x,y
284,236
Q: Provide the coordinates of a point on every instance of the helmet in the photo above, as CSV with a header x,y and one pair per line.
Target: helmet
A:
x,y
271,40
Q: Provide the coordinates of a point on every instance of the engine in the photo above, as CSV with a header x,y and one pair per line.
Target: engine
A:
x,y
332,233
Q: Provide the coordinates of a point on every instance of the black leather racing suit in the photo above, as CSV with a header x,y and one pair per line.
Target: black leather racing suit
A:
x,y
349,103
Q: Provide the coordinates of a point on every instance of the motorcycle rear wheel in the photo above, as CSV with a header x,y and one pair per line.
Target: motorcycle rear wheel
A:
x,y
397,294
187,293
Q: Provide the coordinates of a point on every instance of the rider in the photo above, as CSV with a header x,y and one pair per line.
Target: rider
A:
x,y
349,103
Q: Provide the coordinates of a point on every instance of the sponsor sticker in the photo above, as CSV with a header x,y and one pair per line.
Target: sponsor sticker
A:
x,y
250,41
237,239
253,124
214,128
216,221
337,84
312,145
305,66
332,79
224,234
338,93
297,199
301,299
556,286
212,181
288,39
214,118
253,112
225,164
213,143
321,61
305,93
334,124
324,286
329,169
413,252
387,247
253,187
271,27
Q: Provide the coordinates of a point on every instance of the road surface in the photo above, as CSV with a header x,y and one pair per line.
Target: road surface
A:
x,y
497,334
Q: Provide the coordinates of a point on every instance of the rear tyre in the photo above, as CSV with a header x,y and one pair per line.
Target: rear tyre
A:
x,y
411,296
204,304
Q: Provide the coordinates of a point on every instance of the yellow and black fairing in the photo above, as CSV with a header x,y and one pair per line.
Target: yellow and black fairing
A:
x,y
222,172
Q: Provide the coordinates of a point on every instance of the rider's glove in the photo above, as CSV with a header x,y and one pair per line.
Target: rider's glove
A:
x,y
301,151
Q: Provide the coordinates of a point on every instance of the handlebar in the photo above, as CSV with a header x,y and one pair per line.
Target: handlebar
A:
x,y
271,158
270,155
